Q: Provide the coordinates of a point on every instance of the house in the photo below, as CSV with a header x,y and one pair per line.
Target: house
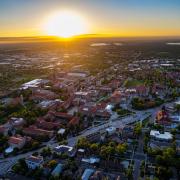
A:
x,y
50,104
166,136
43,95
100,111
91,160
63,149
175,119
77,74
115,97
74,121
111,130
61,131
162,117
16,123
42,124
87,174
4,130
94,137
37,132
142,90
34,162
57,170
17,142
34,84
61,117
87,109
13,122
81,97
159,144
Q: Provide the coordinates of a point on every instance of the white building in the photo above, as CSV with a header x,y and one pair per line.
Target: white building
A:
x,y
166,136
33,162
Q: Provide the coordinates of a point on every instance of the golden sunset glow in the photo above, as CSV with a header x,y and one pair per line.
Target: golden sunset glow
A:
x,y
65,24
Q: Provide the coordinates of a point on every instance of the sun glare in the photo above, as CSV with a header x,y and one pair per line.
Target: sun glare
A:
x,y
65,24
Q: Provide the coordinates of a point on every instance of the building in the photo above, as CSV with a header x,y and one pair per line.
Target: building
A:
x,y
115,97
34,162
41,123
17,142
34,83
63,149
57,170
166,136
87,174
162,117
37,132
111,130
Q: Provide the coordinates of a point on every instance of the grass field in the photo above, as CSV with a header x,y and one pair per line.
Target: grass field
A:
x,y
131,83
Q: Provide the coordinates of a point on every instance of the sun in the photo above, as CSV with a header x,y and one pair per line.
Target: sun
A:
x,y
65,24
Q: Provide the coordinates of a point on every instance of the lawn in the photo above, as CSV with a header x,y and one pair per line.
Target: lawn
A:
x,y
131,83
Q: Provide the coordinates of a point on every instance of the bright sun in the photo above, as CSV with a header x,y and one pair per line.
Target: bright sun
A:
x,y
65,24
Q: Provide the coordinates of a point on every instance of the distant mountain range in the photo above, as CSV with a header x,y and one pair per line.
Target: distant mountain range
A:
x,y
83,36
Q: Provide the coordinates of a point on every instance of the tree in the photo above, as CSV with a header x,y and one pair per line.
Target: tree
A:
x,y
35,145
137,129
52,163
46,152
94,147
121,148
83,143
129,173
163,173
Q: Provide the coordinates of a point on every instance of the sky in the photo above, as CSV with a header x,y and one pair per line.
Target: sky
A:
x,y
104,17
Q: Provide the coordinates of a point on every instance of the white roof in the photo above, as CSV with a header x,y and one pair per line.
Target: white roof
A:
x,y
177,102
158,135
111,129
64,146
81,150
81,93
91,160
87,173
9,150
61,131
175,118
33,83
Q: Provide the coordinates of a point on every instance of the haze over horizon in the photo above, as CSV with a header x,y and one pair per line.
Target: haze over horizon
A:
x,y
116,18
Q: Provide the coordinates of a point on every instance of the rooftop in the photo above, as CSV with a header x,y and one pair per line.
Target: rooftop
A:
x,y
158,135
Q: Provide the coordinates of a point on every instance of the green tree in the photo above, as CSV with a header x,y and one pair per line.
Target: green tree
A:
x,y
83,143
52,163
121,148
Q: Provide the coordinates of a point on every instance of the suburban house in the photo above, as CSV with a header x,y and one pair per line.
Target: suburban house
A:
x,y
43,124
115,97
34,162
17,142
162,117
166,136
57,170
87,174
63,149
41,95
35,132
142,90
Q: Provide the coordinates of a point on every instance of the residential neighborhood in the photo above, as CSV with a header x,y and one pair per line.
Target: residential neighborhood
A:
x,y
75,125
